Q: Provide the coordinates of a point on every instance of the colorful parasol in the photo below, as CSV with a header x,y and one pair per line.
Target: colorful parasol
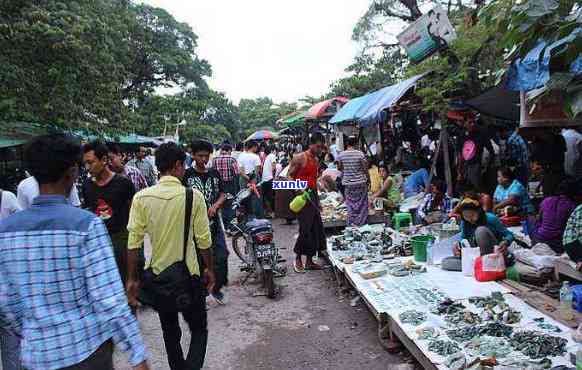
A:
x,y
263,135
326,108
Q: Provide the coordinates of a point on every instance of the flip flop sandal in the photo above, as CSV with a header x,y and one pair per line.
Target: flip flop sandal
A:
x,y
299,270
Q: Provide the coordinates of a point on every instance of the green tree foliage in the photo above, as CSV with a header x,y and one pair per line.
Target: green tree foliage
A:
x,y
206,114
523,25
261,113
460,71
90,61
369,73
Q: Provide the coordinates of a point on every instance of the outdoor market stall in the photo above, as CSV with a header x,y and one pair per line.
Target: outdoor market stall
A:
x,y
369,116
445,319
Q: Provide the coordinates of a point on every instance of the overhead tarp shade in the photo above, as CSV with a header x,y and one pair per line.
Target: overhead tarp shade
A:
x,y
533,70
367,110
497,102
135,140
349,112
386,98
325,108
8,142
294,119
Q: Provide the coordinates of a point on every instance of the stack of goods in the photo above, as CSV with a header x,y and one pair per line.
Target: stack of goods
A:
x,y
333,207
486,330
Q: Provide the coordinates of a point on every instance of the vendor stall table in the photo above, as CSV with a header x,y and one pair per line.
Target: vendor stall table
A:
x,y
388,296
564,267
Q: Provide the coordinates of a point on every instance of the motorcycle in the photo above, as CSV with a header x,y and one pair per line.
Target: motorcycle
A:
x,y
259,254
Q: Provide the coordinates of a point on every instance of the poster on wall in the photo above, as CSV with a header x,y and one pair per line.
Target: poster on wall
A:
x,y
427,35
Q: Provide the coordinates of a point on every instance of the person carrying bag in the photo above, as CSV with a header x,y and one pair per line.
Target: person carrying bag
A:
x,y
171,290
172,283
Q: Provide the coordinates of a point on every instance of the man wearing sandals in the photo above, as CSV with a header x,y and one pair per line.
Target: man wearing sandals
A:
x,y
311,240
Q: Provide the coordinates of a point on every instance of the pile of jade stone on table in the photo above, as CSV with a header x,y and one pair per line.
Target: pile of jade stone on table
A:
x,y
485,330
374,243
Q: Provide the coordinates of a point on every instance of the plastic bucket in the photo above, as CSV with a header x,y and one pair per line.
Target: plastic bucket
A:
x,y
419,243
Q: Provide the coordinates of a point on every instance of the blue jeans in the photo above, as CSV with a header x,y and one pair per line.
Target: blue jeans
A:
x,y
10,348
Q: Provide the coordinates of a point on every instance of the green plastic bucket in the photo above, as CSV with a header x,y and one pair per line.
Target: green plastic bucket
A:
x,y
419,243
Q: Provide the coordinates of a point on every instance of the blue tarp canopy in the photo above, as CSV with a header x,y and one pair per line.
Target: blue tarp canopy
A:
x,y
349,112
367,110
533,70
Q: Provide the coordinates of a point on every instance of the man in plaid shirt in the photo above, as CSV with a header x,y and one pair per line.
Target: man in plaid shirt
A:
x,y
517,154
116,165
227,167
60,289
572,239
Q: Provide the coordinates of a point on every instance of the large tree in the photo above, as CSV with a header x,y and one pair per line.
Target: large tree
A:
x,y
90,61
261,113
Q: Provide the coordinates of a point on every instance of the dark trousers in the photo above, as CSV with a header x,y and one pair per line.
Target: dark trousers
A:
x,y
268,196
311,239
195,317
220,257
574,250
101,359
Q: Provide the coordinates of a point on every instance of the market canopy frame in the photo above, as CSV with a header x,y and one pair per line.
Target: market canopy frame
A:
x,y
369,109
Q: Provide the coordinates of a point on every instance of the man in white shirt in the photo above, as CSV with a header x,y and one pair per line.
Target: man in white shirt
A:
x,y
249,163
8,204
333,148
28,190
269,169
374,148
573,163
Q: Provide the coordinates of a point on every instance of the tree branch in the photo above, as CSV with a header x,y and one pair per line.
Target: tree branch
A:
x,y
385,45
389,13
480,50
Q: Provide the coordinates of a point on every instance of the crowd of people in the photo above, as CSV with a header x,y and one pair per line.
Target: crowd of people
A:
x,y
73,238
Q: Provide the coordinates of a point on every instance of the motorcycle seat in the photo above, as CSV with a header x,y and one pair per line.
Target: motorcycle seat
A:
x,y
258,225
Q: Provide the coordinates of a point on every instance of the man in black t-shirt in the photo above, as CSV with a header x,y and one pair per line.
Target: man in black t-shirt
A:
x,y
109,196
209,183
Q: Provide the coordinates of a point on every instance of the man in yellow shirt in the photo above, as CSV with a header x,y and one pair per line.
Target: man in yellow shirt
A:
x,y
159,211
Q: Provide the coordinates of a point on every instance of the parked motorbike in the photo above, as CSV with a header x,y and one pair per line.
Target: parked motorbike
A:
x,y
259,254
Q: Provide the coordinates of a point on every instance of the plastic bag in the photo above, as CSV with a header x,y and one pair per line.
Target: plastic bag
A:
x,y
493,262
468,257
490,267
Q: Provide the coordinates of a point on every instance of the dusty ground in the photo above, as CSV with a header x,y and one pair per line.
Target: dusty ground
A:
x,y
309,327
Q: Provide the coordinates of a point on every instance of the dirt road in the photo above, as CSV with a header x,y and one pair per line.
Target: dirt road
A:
x,y
309,327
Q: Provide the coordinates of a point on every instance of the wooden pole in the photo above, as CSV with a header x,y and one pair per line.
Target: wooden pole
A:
x,y
448,173
434,162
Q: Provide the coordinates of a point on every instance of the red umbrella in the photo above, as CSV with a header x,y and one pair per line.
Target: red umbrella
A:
x,y
326,108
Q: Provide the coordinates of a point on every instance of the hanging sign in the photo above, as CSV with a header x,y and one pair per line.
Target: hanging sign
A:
x,y
427,35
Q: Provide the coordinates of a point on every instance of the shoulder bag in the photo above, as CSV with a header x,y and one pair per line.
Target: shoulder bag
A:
x,y
171,290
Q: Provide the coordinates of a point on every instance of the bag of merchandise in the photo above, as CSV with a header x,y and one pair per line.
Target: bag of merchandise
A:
x,y
490,267
468,257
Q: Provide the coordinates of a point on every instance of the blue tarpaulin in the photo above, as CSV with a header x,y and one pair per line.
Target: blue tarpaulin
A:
x,y
367,110
533,70
348,113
